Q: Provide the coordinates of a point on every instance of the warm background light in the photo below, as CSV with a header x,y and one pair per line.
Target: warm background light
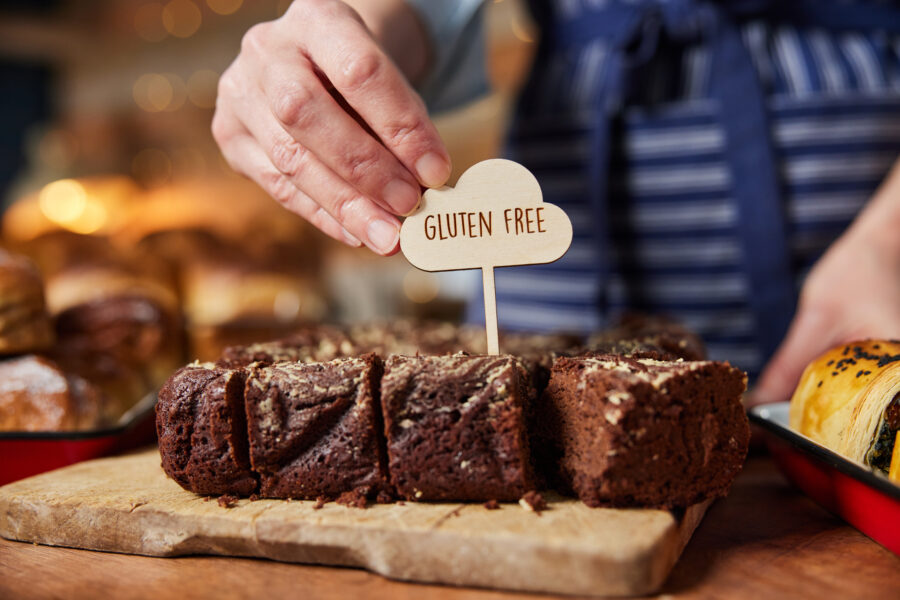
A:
x,y
63,201
421,287
153,92
224,7
181,18
201,88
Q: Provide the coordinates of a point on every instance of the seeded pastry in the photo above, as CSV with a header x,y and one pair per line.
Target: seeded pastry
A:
x,y
642,432
202,430
455,427
314,428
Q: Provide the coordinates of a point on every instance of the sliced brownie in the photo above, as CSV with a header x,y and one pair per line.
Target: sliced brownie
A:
x,y
311,344
314,428
641,432
455,427
202,430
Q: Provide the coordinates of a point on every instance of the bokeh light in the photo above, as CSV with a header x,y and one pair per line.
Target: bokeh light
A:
x,y
224,7
153,92
181,18
201,88
63,201
420,287
286,305
91,220
179,92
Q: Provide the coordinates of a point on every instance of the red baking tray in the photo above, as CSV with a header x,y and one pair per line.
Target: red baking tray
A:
x,y
863,498
24,453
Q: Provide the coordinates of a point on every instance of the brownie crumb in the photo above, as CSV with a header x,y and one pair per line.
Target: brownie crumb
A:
x,y
492,505
401,503
355,498
320,502
207,498
228,500
254,497
533,501
384,497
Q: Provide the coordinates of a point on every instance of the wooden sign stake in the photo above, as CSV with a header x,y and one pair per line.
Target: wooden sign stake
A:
x,y
490,310
494,217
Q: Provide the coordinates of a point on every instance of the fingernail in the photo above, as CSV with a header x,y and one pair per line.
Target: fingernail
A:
x,y
382,236
433,170
401,196
350,238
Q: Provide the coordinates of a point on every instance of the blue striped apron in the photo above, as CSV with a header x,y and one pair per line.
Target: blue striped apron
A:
x,y
636,35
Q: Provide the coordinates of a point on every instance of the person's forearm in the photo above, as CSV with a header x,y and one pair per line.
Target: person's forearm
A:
x,y
400,32
879,222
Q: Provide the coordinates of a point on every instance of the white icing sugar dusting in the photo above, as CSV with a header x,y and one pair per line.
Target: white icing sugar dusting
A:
x,y
657,373
31,376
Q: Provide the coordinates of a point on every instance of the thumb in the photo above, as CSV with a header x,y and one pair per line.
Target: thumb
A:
x,y
809,335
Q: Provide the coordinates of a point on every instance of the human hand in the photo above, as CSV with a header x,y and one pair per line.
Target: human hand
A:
x,y
317,114
852,293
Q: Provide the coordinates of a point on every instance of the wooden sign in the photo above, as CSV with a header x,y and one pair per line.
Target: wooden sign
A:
x,y
494,217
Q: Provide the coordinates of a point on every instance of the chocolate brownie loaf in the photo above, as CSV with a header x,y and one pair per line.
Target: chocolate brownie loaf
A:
x,y
314,428
644,336
641,432
202,430
455,427
311,344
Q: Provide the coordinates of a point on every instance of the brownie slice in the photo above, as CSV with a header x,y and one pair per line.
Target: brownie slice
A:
x,y
641,432
455,427
202,430
314,428
311,344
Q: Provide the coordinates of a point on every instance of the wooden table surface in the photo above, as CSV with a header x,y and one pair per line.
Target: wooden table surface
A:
x,y
765,540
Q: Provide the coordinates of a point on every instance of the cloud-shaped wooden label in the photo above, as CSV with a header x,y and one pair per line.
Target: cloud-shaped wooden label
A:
x,y
494,217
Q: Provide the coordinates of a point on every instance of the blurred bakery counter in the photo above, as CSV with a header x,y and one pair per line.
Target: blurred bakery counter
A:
x,y
126,284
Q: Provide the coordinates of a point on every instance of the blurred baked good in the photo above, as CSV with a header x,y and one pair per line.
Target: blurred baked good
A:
x,y
219,292
58,250
241,302
36,395
24,323
848,400
137,330
118,324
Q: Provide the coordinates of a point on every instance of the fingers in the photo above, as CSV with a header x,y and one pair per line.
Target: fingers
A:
x,y
807,338
244,151
311,116
283,158
315,113
370,82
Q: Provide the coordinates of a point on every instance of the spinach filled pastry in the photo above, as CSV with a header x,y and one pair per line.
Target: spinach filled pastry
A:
x,y
848,400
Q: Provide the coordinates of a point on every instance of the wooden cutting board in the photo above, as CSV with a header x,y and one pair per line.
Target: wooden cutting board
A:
x,y
127,504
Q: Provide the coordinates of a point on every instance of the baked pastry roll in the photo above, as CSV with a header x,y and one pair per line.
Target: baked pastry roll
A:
x,y
848,400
